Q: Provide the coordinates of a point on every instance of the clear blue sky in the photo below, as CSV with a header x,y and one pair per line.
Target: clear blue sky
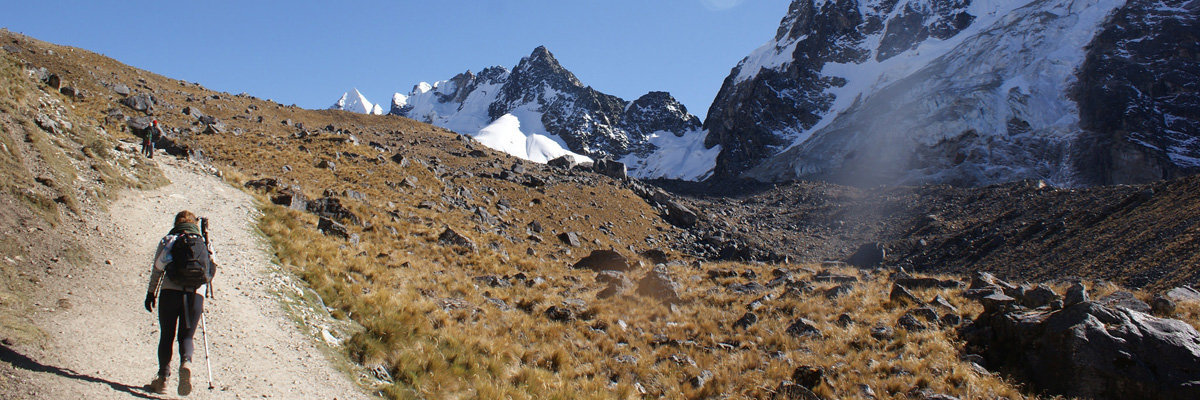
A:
x,y
309,52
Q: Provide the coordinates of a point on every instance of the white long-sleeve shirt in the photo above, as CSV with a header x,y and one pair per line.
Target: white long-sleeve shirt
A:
x,y
162,257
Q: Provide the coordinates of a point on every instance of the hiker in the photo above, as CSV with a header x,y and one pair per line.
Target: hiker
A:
x,y
182,269
149,136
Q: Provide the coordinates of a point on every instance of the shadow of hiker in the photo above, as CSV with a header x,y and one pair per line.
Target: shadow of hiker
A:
x,y
19,360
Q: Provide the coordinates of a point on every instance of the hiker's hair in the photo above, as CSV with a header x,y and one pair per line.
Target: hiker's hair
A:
x,y
185,217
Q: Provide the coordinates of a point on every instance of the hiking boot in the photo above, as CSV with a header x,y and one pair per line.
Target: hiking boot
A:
x,y
158,385
185,379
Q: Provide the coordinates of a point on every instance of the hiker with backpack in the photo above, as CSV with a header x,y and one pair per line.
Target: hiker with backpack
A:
x,y
149,136
182,271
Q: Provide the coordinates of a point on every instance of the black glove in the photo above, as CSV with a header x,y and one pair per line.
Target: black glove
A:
x,y
150,302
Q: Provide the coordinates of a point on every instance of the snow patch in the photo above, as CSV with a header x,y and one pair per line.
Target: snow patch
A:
x,y
506,135
676,157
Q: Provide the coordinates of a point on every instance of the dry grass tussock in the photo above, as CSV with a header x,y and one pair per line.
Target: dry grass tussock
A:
x,y
450,321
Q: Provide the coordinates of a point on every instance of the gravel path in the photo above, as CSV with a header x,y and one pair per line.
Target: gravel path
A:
x,y
102,341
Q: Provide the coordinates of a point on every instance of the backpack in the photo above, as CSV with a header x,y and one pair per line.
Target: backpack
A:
x,y
190,266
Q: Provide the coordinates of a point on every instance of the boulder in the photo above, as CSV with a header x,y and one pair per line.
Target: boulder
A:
x,y
1126,300
826,276
569,238
331,207
1091,350
745,321
787,390
610,168
1162,306
332,228
1184,293
1040,296
838,291
291,198
997,302
901,295
655,256
910,323
264,184
618,284
566,161
803,327
603,260
1075,294
680,215
929,283
560,314
659,284
746,288
867,255
808,376
121,89
450,237
142,102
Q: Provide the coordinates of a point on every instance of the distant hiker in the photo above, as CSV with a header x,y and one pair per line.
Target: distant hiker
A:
x,y
184,258
149,136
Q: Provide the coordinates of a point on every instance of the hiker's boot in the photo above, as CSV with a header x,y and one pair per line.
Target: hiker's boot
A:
x,y
159,384
185,378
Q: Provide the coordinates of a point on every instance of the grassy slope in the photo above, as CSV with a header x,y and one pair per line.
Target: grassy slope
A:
x,y
442,334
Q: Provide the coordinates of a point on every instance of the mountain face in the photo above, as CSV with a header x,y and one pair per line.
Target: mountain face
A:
x,y
355,102
548,101
966,92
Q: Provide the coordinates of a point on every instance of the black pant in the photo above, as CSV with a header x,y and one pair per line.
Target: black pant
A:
x,y
173,314
148,148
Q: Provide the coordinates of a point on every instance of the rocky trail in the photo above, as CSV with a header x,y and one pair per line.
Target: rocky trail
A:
x,y
101,342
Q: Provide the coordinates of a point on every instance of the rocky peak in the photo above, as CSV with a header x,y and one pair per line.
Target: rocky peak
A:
x,y
661,111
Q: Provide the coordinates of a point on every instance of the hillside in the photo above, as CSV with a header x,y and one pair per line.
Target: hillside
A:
x,y
462,272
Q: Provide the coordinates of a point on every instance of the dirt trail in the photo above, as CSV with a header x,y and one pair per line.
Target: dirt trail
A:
x,y
102,341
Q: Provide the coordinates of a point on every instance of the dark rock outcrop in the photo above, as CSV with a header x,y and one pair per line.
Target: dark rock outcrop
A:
x,y
603,260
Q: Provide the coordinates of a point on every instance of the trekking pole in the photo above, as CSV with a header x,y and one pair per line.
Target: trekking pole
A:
x,y
207,360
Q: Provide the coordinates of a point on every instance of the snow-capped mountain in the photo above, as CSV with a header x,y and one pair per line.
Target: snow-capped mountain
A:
x,y
968,92
356,102
543,104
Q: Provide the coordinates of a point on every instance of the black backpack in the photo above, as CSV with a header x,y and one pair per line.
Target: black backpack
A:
x,y
190,266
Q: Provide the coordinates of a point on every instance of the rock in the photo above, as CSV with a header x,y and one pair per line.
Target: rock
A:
x,y
826,276
46,123
53,81
560,314
142,102
910,323
901,295
791,391
1039,296
721,273
940,301
569,238
845,320
808,376
618,284
1162,306
291,198
883,332
493,281
803,327
12,49
355,195
839,290
655,256
1126,300
332,228
449,237
1183,293
1075,294
745,321
326,164
264,184
997,302
698,381
610,276
331,207
680,215
565,161
950,319
867,255
925,313
746,288
70,91
610,168
984,280
121,89
603,260
1090,350
659,284
929,283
